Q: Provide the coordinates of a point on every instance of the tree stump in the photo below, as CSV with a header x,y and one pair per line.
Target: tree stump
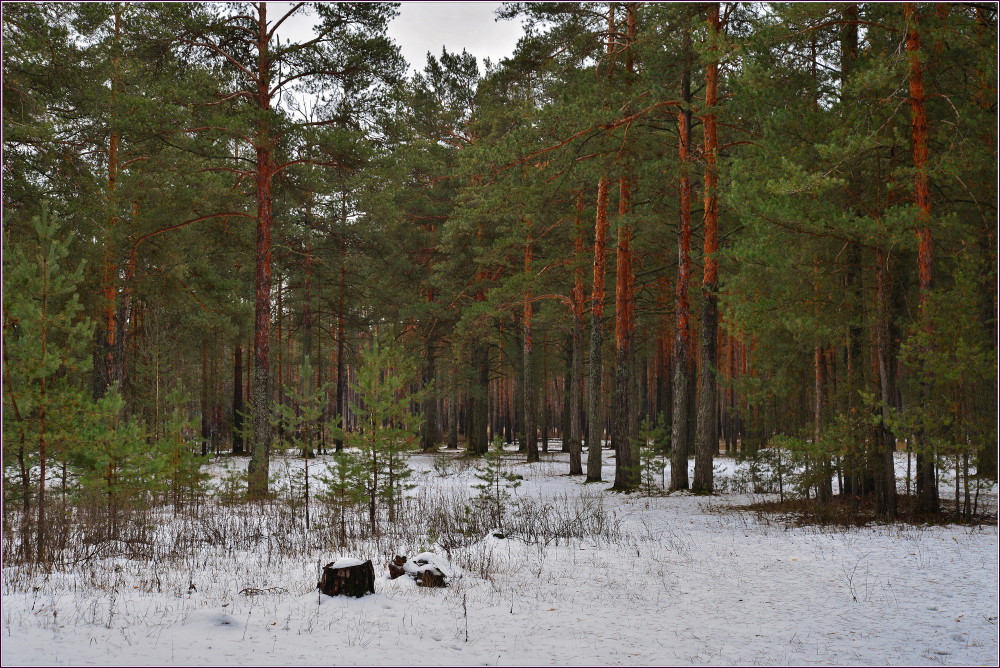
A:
x,y
423,568
397,567
429,576
348,577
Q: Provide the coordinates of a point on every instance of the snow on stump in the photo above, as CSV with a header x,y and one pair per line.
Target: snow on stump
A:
x,y
426,569
348,577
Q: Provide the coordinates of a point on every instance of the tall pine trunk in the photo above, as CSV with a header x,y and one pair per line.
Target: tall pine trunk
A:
x,y
260,451
596,335
626,436
706,440
927,493
680,427
626,429
110,367
528,389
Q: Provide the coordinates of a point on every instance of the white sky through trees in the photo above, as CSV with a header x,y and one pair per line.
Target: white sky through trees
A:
x,y
427,26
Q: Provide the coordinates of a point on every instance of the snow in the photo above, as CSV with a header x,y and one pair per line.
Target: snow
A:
x,y
668,580
347,562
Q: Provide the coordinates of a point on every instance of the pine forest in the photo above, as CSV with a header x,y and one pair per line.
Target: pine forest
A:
x,y
669,339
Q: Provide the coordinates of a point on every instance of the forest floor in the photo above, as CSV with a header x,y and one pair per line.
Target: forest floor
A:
x,y
640,580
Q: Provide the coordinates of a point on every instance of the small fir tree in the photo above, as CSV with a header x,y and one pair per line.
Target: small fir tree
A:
x,y
115,464
298,422
652,456
497,483
179,464
343,487
388,429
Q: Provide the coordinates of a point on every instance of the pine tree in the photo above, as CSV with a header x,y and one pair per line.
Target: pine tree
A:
x,y
349,53
44,339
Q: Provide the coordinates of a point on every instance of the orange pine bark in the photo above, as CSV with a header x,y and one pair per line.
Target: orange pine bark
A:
x,y
706,439
627,459
927,497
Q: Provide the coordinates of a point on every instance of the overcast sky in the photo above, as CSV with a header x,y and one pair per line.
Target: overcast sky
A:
x,y
427,26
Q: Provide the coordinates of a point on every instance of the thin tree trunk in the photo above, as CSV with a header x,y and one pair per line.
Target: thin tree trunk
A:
x,y
429,434
307,343
341,402
546,403
576,383
478,397
238,400
41,523
824,486
205,414
477,443
528,389
885,483
567,390
453,414
109,370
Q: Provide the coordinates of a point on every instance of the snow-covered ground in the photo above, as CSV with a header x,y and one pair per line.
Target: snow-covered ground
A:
x,y
666,580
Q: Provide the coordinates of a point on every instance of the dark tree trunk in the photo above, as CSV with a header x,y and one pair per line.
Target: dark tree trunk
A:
x,y
308,384
453,417
478,414
567,390
596,335
545,404
429,434
205,413
824,486
238,400
528,389
576,365
680,426
883,467
576,400
341,400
